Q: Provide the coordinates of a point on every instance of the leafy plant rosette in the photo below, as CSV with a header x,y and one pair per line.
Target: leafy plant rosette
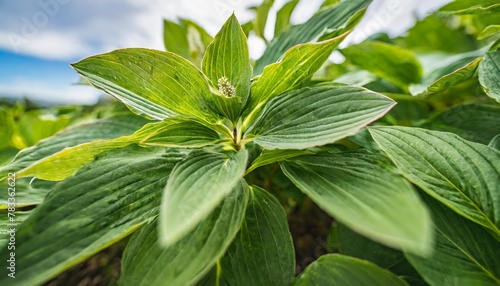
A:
x,y
178,182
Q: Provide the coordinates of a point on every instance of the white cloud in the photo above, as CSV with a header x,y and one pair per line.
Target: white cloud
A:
x,y
70,29
47,93
394,17
77,29
48,45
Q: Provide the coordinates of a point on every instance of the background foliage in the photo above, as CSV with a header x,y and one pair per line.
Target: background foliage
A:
x,y
394,152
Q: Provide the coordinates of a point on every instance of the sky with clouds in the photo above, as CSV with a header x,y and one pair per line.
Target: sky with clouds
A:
x,y
38,38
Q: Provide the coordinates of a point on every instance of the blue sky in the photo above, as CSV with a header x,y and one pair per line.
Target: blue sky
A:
x,y
39,38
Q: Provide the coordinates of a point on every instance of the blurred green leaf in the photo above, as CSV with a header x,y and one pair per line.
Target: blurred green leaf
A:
x,y
465,7
174,38
186,39
489,31
283,17
442,71
261,15
390,62
327,3
446,81
34,126
8,128
437,34
340,270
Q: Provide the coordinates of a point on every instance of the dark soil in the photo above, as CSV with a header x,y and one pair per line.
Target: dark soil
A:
x,y
309,226
102,269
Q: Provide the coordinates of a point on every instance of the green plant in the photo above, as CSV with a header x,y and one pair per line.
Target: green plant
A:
x,y
179,182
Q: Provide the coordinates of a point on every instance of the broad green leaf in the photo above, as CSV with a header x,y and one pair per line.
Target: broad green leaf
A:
x,y
108,128
28,192
470,7
446,81
461,174
261,15
495,143
186,39
314,116
227,65
152,83
197,185
465,119
276,155
489,31
362,191
262,252
354,245
146,263
283,17
434,33
465,253
8,226
182,134
325,21
298,65
489,74
63,164
340,270
103,203
390,62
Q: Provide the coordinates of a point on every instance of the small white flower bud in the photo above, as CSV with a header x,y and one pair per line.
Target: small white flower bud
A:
x,y
225,87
